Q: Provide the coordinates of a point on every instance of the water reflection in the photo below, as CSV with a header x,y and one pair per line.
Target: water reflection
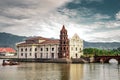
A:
x,y
51,71
40,71
76,72
45,71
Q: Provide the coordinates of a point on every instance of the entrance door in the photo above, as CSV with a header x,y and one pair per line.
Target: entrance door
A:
x,y
76,55
40,55
25,55
52,55
35,55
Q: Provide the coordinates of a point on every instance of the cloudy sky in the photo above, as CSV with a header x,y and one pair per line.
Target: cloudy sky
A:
x,y
92,20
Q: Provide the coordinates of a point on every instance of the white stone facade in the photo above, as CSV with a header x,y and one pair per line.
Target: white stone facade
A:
x,y
76,47
44,49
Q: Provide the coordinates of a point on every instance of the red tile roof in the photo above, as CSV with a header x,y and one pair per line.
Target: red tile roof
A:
x,y
46,41
38,38
10,50
50,42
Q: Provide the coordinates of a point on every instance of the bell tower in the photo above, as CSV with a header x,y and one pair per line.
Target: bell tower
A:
x,y
64,44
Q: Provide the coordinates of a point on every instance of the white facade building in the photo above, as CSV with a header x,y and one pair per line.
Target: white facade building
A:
x,y
39,47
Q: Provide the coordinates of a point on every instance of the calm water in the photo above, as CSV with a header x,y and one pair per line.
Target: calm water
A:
x,y
52,71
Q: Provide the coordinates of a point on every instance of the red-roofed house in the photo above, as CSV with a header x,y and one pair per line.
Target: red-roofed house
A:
x,y
7,51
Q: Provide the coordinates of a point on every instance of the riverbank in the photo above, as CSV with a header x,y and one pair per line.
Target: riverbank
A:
x,y
60,60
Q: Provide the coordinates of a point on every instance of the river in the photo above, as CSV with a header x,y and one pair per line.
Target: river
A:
x,y
56,71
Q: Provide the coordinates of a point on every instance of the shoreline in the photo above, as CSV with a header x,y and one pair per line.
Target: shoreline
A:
x,y
58,60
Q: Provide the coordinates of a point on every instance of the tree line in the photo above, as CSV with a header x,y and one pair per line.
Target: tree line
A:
x,y
101,52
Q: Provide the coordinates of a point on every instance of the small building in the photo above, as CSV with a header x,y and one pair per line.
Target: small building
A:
x,y
47,48
7,51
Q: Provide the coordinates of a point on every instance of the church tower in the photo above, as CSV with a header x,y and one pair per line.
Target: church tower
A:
x,y
64,44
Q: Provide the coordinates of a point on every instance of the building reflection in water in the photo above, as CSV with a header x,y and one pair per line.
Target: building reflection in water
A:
x,y
51,71
76,72
40,71
64,71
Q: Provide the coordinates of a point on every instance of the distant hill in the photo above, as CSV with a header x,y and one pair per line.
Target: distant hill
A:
x,y
102,45
9,40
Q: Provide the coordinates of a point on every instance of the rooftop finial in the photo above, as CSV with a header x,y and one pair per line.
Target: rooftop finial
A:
x,y
63,29
63,26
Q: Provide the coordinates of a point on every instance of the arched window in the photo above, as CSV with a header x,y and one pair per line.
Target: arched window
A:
x,y
41,49
52,49
21,49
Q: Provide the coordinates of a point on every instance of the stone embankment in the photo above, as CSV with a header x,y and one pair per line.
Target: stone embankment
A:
x,y
59,60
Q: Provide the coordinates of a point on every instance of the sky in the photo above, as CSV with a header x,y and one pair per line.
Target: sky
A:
x,y
92,20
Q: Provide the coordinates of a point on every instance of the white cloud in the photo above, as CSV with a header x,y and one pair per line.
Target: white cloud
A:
x,y
100,16
112,24
29,15
29,7
109,36
42,18
117,15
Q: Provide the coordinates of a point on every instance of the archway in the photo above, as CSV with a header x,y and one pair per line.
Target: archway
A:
x,y
113,61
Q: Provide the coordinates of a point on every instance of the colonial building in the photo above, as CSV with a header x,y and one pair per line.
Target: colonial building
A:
x,y
46,48
38,47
